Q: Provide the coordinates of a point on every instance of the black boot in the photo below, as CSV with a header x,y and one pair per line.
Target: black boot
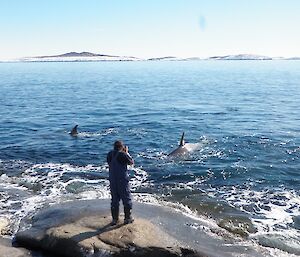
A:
x,y
115,216
128,218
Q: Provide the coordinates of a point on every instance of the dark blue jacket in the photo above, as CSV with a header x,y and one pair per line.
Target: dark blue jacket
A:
x,y
118,161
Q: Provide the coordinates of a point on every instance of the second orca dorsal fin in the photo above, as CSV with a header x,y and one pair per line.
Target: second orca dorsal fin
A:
x,y
74,131
181,143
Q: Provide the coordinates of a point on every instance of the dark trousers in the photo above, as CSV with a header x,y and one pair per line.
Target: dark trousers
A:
x,y
120,190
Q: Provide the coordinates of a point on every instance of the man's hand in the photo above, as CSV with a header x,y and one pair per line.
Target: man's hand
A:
x,y
126,149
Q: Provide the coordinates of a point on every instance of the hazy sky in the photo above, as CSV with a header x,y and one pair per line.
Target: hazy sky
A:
x,y
150,28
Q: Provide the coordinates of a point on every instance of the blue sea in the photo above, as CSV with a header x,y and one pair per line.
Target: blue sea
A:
x,y
244,115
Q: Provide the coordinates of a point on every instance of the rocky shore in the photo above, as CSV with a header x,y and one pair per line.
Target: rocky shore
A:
x,y
82,229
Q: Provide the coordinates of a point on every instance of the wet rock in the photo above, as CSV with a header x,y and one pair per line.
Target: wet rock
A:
x,y
89,236
280,241
6,250
296,222
82,229
239,226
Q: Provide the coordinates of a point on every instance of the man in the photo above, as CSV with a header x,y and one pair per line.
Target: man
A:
x,y
118,159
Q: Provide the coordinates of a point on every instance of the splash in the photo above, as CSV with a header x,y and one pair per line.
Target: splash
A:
x,y
51,183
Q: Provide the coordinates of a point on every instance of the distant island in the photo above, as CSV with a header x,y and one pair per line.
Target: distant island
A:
x,y
241,57
78,57
92,57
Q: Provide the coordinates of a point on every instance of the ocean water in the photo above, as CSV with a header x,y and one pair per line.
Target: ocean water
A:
x,y
244,115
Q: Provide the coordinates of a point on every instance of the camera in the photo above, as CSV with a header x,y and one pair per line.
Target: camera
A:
x,y
125,148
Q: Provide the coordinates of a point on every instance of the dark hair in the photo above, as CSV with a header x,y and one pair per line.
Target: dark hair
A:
x,y
118,145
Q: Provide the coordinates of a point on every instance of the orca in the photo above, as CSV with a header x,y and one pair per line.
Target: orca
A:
x,y
74,131
183,148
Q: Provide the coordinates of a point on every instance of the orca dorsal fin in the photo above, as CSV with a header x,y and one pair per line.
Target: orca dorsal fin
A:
x,y
181,143
74,131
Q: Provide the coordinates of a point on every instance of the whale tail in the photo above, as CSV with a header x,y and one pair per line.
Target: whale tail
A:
x,y
74,131
181,143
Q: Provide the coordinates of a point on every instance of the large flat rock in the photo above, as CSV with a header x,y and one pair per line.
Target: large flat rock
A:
x,y
82,228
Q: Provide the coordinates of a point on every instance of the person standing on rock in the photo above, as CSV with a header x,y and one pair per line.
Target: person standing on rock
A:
x,y
118,159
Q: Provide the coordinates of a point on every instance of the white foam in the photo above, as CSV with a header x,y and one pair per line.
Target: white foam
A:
x,y
271,212
140,178
192,146
51,183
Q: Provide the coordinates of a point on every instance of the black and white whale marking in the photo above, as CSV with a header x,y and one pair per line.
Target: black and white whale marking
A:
x,y
184,148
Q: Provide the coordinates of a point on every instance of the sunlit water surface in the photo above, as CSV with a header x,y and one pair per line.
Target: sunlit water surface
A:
x,y
243,114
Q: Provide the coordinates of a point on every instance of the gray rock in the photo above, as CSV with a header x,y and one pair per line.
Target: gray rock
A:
x,y
6,250
82,228
93,236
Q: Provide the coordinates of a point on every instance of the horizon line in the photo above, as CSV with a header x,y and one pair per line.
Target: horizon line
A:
x,y
20,59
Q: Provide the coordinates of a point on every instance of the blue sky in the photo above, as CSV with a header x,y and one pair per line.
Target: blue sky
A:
x,y
150,28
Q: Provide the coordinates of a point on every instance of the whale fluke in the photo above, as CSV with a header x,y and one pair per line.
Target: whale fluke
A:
x,y
74,131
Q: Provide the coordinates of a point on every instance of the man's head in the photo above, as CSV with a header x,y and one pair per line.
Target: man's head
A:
x,y
118,145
